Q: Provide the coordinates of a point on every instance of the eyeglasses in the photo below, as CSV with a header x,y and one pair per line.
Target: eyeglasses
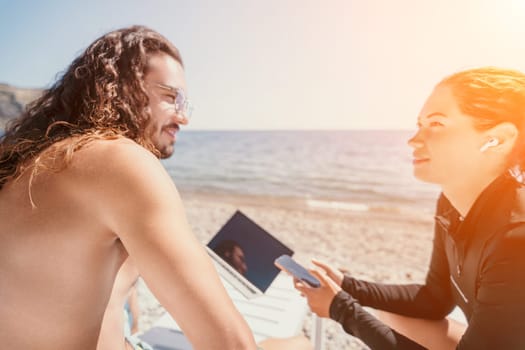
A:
x,y
182,105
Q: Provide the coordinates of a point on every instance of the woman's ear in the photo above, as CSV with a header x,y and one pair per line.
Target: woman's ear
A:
x,y
503,135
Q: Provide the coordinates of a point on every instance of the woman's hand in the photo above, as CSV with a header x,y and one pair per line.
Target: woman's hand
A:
x,y
335,274
319,299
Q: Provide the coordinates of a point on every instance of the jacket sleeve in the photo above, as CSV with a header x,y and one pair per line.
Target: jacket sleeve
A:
x,y
359,323
432,300
498,314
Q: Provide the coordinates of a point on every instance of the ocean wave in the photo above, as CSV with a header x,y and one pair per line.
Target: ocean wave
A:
x,y
393,208
314,203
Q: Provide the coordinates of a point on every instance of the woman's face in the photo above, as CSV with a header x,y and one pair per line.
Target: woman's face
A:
x,y
446,146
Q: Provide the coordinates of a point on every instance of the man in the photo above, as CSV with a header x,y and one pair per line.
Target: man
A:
x,y
81,187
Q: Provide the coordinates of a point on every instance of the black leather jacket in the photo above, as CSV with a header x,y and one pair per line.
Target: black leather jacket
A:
x,y
477,263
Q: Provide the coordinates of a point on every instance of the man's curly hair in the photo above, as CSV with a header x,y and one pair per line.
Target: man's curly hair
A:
x,y
100,96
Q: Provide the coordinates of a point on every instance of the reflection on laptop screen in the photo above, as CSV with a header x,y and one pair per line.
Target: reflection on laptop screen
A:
x,y
249,249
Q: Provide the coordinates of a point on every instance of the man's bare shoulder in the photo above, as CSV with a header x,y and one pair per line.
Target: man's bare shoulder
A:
x,y
119,149
126,181
114,164
120,154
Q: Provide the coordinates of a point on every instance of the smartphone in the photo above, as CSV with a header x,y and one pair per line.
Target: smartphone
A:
x,y
286,263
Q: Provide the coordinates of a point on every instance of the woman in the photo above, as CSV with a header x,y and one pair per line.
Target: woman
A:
x,y
470,142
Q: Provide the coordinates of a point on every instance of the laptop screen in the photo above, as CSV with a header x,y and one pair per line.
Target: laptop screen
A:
x,y
249,249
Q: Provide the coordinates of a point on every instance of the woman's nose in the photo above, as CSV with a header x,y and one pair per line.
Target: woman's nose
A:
x,y
415,141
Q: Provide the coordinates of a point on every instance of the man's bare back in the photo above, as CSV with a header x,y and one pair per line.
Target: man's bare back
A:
x,y
59,259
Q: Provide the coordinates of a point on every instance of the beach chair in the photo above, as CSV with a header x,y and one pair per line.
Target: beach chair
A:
x,y
279,313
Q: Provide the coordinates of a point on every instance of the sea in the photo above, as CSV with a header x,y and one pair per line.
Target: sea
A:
x,y
344,170
351,170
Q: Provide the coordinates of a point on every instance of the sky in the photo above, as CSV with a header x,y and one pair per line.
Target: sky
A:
x,y
282,64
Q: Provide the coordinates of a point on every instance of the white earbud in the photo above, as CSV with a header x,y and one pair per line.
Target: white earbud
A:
x,y
491,143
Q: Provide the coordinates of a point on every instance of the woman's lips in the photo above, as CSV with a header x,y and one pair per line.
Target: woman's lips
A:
x,y
417,161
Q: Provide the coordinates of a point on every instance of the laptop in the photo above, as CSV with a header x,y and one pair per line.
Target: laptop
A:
x,y
244,255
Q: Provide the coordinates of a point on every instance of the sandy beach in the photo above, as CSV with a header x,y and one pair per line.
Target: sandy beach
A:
x,y
382,247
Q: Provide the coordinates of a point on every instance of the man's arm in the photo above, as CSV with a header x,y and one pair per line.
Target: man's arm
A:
x,y
140,204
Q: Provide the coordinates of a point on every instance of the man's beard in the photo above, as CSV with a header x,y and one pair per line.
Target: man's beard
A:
x,y
167,152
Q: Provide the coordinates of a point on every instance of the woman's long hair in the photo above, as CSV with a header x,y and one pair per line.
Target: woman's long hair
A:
x,y
100,96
